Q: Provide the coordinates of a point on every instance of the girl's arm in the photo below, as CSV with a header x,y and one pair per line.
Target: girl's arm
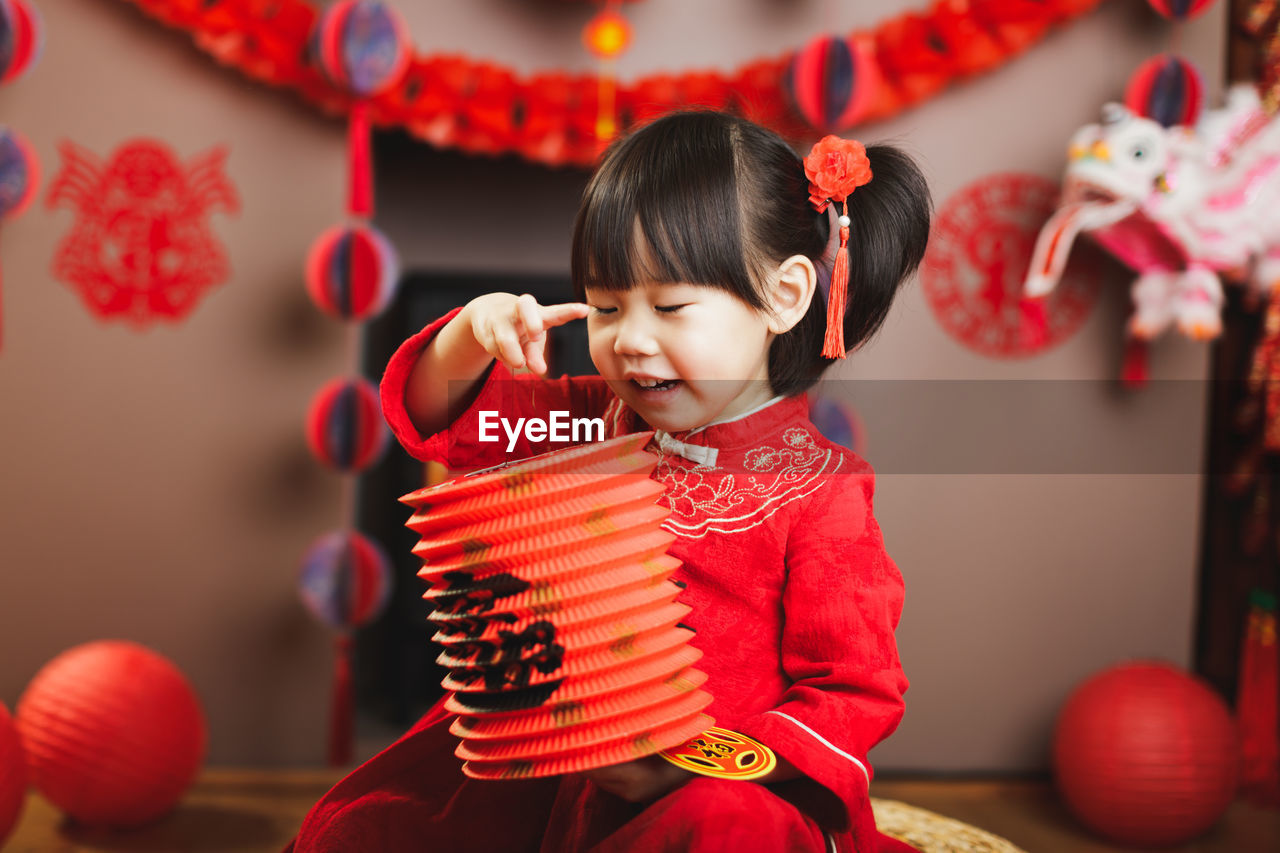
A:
x,y
842,601
502,326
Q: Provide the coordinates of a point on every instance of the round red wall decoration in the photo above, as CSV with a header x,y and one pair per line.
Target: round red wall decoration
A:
x,y
978,256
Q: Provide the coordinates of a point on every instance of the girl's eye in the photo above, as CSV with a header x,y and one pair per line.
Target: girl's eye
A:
x,y
599,310
669,309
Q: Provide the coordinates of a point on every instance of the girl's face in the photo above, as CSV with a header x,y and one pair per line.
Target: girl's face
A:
x,y
680,355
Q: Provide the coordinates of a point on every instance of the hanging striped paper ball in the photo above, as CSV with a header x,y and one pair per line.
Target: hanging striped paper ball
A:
x,y
1167,89
362,46
345,579
352,271
21,38
113,731
838,422
19,173
1180,10
13,775
832,81
345,429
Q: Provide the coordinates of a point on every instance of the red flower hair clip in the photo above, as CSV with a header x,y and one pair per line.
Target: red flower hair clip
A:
x,y
835,168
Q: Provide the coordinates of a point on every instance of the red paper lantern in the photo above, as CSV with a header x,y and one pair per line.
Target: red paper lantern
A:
x,y
554,605
19,173
345,429
1167,89
839,422
20,38
113,732
345,580
1180,10
352,271
362,46
833,81
13,775
1145,754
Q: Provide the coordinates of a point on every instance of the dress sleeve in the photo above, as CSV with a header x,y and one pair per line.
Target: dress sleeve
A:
x,y
841,604
502,395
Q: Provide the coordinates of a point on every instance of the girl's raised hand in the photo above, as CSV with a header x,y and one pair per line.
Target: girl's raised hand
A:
x,y
513,329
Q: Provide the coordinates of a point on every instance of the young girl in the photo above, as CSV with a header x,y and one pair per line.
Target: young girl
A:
x,y
698,257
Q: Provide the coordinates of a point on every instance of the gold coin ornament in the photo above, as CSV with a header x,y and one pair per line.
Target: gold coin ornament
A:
x,y
722,754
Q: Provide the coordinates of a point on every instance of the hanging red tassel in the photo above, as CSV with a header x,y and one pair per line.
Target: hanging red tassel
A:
x,y
1257,714
360,161
833,343
341,727
1133,373
1035,322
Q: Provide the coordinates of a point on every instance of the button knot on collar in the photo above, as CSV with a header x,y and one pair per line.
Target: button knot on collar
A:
x,y
699,454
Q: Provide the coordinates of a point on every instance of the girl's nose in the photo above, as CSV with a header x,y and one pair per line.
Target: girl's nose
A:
x,y
634,337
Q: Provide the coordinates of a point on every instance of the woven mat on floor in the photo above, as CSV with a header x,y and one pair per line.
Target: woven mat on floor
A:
x,y
933,833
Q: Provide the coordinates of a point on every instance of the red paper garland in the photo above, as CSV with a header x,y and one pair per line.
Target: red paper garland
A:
x,y
481,107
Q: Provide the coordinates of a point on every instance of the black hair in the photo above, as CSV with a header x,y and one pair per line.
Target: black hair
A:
x,y
720,201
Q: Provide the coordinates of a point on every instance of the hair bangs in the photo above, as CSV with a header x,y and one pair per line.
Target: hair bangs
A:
x,y
664,207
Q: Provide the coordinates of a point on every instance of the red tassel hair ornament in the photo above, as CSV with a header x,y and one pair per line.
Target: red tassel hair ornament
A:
x,y
835,168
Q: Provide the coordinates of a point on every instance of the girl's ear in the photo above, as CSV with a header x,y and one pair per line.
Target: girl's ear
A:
x,y
792,291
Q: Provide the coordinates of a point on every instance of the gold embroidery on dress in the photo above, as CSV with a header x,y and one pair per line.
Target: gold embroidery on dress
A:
x,y
711,500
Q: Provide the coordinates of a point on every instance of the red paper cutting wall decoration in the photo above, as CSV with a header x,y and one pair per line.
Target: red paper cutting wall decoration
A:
x,y
978,254
141,247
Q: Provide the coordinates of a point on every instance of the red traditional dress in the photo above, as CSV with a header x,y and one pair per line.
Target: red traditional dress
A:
x,y
794,602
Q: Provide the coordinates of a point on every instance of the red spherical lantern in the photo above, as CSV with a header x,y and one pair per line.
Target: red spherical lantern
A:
x,y
362,46
345,429
20,38
345,580
1145,753
839,422
113,732
1167,89
832,82
19,173
1180,10
13,775
352,272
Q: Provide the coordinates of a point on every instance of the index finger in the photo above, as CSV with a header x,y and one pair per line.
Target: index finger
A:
x,y
556,315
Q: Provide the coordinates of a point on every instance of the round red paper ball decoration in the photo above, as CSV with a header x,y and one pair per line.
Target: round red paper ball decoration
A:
x,y
362,46
13,775
838,422
352,271
345,580
1180,10
19,173
345,429
832,81
1145,753
1166,89
113,732
607,34
20,38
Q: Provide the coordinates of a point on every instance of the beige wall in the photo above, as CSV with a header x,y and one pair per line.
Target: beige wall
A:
x,y
155,485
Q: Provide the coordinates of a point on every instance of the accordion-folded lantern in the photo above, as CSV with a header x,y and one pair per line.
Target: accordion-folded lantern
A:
x,y
554,603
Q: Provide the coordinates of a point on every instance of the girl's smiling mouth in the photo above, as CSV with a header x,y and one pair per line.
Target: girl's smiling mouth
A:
x,y
651,388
